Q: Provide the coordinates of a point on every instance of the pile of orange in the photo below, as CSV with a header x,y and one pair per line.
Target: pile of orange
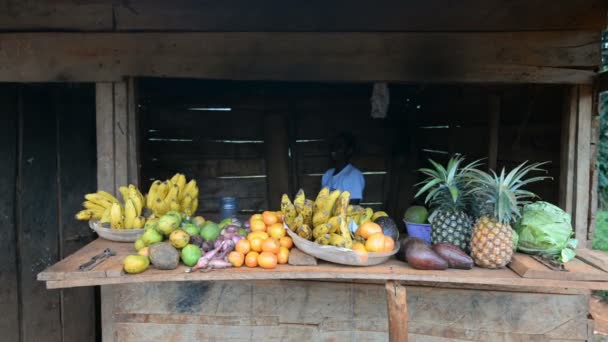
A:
x,y
375,240
266,246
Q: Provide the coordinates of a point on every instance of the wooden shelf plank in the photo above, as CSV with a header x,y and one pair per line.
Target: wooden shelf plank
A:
x,y
575,270
64,274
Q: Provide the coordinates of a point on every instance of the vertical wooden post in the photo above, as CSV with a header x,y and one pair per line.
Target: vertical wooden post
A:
x,y
583,163
276,143
568,153
116,136
493,129
396,299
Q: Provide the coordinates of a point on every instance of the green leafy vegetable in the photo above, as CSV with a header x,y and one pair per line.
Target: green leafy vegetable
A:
x,y
546,230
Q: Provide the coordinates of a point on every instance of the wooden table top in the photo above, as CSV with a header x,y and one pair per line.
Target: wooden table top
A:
x,y
524,274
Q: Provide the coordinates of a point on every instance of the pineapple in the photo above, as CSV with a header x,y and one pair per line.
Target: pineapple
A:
x,y
501,198
448,196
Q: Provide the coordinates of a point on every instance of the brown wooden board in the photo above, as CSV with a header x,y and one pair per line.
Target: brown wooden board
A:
x,y
77,167
595,258
527,267
58,16
38,215
532,57
385,15
62,273
9,286
341,311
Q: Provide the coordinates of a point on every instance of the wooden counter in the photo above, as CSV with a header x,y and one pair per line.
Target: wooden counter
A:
x,y
330,301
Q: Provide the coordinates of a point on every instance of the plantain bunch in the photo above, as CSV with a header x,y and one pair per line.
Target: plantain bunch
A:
x,y
106,208
174,194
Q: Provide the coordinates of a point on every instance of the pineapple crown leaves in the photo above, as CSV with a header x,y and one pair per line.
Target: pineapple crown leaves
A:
x,y
502,195
446,186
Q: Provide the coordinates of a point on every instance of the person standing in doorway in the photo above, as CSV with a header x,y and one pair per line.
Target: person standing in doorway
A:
x,y
343,175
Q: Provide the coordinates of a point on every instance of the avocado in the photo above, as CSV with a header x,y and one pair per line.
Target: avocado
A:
x,y
389,228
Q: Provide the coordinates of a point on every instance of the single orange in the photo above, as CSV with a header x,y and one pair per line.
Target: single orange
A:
x,y
389,244
259,235
283,255
256,244
256,217
375,243
271,245
276,231
236,258
367,229
243,246
359,248
286,241
279,216
251,259
267,260
257,226
269,218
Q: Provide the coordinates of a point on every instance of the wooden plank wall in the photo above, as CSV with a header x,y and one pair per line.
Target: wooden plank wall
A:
x,y
323,311
48,140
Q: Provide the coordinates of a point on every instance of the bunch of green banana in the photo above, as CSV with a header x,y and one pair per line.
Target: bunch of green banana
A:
x,y
174,194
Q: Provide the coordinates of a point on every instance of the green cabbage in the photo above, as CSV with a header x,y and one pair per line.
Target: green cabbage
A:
x,y
546,230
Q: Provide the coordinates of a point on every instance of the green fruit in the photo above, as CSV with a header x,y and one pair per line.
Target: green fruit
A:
x,y
210,231
136,264
151,223
179,238
242,232
168,223
416,214
199,221
191,229
176,214
139,244
225,222
151,236
190,255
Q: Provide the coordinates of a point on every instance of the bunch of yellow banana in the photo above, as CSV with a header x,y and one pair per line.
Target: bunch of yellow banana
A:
x,y
174,194
106,208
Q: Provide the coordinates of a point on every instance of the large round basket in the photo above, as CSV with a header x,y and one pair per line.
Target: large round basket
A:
x,y
118,235
339,255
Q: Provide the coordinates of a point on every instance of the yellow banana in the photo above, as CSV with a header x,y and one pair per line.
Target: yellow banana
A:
x,y
105,217
188,189
320,218
108,196
334,224
321,200
337,240
161,207
135,191
93,206
341,205
378,214
299,201
116,220
98,199
320,230
194,206
367,215
172,194
331,201
139,222
135,196
162,190
85,215
289,211
344,231
306,211
186,205
323,240
174,205
124,192
174,179
152,193
181,182
304,231
130,213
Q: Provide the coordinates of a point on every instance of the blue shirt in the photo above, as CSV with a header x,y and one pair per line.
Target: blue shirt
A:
x,y
348,179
